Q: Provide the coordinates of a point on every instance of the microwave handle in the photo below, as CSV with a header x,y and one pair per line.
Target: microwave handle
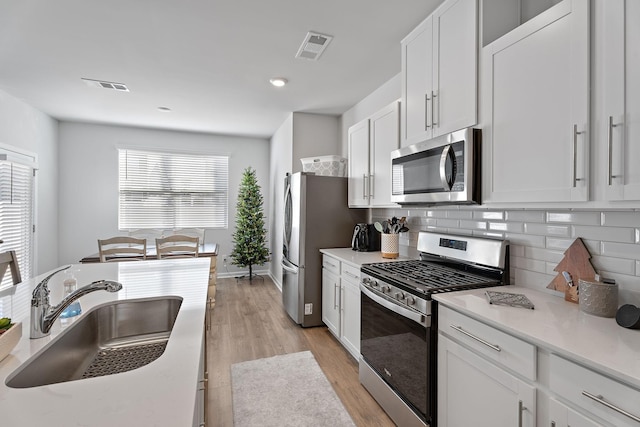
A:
x,y
446,154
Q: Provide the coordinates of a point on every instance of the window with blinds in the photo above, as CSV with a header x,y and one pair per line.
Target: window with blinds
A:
x,y
172,190
16,214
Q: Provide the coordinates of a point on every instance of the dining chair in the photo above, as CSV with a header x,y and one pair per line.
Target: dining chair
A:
x,y
122,248
177,246
9,260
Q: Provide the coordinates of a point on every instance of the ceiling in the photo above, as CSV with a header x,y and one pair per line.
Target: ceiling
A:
x,y
209,61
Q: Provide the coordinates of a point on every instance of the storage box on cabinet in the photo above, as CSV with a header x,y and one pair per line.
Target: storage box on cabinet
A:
x,y
595,393
504,349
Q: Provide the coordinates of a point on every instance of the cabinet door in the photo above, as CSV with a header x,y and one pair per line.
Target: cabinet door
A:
x,y
331,301
417,84
537,104
384,138
455,29
475,392
350,316
561,415
359,164
620,118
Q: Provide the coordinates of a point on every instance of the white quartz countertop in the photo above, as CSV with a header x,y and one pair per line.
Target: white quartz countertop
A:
x,y
558,326
356,258
162,393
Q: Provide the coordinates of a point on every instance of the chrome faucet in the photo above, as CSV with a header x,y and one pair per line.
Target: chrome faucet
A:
x,y
43,315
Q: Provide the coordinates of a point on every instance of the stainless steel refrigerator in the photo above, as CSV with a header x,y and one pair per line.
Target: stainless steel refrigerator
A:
x,y
316,216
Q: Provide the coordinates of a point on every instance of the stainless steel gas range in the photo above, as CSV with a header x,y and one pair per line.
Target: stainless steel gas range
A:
x,y
398,342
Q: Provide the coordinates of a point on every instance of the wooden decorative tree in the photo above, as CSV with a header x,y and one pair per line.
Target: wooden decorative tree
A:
x,y
576,263
249,237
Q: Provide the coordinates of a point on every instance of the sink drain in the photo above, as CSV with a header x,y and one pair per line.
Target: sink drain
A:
x,y
111,361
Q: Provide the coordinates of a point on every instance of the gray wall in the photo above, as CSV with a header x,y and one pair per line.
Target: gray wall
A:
x,y
25,128
89,179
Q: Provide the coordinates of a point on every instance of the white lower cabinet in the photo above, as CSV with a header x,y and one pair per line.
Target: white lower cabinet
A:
x,y
331,294
560,415
475,387
594,393
350,314
487,377
341,302
199,416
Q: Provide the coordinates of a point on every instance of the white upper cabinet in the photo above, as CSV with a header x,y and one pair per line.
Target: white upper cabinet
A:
x,y
439,73
371,142
617,83
535,110
358,140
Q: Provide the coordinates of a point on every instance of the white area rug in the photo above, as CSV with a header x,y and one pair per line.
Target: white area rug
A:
x,y
287,390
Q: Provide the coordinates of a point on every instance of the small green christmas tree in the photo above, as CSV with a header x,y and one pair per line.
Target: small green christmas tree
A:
x,y
250,236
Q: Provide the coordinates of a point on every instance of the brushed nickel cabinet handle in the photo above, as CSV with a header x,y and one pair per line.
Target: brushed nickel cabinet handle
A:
x,y
364,185
433,107
521,409
611,125
426,111
575,155
372,187
480,340
335,295
600,400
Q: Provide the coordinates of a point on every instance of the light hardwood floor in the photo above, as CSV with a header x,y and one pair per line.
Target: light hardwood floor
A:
x,y
248,322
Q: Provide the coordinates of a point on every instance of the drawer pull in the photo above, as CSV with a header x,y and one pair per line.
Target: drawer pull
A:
x,y
521,409
351,274
601,400
480,340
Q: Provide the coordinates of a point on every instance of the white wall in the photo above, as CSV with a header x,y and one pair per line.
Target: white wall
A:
x,y
26,128
376,100
314,135
89,179
281,155
300,135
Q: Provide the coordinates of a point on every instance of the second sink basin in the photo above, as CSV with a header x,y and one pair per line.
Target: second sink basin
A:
x,y
109,339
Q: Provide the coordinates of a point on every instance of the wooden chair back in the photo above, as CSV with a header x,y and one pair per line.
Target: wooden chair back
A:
x,y
177,246
122,248
9,260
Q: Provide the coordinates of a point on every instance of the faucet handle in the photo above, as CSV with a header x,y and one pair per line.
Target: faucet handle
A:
x,y
41,291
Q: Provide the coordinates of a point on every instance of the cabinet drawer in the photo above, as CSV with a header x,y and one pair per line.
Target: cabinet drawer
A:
x,y
511,352
331,264
596,393
350,273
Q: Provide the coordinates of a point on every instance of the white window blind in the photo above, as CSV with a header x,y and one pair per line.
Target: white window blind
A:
x,y
16,215
172,190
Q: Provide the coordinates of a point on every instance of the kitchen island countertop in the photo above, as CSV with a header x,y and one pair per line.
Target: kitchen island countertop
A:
x,y
162,393
559,327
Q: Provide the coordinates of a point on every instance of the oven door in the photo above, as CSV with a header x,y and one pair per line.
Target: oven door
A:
x,y
394,343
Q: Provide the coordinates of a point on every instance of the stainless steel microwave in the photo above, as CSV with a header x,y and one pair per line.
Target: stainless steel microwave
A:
x,y
445,169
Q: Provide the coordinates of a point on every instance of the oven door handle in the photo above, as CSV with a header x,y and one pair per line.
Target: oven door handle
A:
x,y
404,312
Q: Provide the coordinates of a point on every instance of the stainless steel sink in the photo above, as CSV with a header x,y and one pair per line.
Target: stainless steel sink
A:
x,y
109,339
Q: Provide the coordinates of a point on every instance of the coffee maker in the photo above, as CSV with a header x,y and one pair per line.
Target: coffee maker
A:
x,y
365,238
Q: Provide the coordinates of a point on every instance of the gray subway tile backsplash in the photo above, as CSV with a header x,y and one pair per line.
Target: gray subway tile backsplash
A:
x,y
539,237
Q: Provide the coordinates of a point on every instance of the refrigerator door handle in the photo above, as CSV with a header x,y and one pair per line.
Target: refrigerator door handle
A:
x,y
288,266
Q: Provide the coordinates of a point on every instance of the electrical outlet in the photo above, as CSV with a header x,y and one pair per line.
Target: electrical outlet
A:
x,y
225,259
308,309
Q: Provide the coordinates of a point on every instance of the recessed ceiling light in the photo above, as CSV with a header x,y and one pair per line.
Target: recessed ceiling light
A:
x,y
278,81
164,109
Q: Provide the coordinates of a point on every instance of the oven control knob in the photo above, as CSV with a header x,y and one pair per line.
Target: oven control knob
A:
x,y
400,296
385,289
366,281
411,300
374,283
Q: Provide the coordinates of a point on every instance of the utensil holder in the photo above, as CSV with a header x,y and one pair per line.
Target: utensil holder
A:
x,y
389,245
597,298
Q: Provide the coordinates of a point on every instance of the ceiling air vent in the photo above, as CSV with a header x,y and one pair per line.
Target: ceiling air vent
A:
x,y
106,85
313,46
